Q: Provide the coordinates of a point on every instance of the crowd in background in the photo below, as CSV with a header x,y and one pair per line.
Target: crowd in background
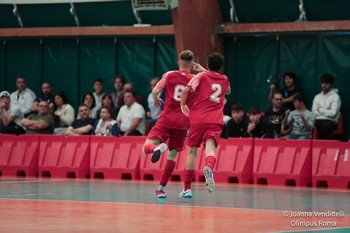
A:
x,y
124,112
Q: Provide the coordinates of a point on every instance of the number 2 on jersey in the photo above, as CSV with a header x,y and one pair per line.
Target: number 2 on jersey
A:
x,y
217,91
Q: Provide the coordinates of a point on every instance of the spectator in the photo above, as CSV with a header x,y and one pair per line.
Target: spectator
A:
x,y
288,91
107,101
10,116
106,126
98,94
41,122
153,112
138,98
119,82
83,125
301,120
227,110
90,102
258,126
276,114
326,107
23,97
46,95
64,113
131,116
237,126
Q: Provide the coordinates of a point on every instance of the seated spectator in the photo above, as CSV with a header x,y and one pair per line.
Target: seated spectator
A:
x,y
83,125
10,116
227,110
64,113
41,122
153,112
23,97
138,98
326,107
258,126
89,101
119,82
288,91
237,126
301,120
46,95
107,101
98,94
131,116
276,114
106,126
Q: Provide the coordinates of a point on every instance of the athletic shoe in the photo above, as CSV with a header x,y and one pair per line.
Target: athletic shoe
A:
x,y
158,151
209,179
160,194
186,193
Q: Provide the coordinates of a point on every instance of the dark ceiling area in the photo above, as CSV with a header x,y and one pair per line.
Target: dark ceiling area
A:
x,y
122,13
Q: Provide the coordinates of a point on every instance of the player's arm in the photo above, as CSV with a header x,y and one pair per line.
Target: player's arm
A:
x,y
184,107
228,91
158,89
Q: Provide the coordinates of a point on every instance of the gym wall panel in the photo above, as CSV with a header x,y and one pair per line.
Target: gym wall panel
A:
x,y
23,58
97,61
60,67
231,66
298,54
256,61
136,62
166,56
2,66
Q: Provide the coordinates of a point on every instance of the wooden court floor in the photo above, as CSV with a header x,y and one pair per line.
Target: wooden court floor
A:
x,y
72,205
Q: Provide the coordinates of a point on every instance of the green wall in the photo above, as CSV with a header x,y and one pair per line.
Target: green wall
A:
x,y
72,64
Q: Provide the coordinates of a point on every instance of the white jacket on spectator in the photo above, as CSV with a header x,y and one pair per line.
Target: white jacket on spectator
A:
x,y
24,101
66,115
327,106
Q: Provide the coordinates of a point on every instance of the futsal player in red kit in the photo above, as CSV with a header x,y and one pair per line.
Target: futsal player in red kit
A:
x,y
206,119
172,124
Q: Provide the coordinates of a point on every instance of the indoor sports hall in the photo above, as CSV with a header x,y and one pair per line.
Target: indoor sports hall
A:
x,y
69,182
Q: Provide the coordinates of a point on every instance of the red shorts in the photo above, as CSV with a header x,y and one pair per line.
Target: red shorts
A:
x,y
202,131
176,137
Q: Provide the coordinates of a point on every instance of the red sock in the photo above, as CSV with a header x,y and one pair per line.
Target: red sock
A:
x,y
188,176
149,148
168,170
210,161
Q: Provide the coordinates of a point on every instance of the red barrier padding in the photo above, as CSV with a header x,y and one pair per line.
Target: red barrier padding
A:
x,y
64,157
330,164
19,155
152,171
282,162
116,158
235,162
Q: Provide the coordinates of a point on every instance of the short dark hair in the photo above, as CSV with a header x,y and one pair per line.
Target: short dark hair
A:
x,y
291,75
215,61
254,110
121,77
299,97
98,80
327,78
186,55
236,107
133,93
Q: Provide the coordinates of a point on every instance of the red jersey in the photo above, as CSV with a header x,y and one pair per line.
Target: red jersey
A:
x,y
173,83
210,88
